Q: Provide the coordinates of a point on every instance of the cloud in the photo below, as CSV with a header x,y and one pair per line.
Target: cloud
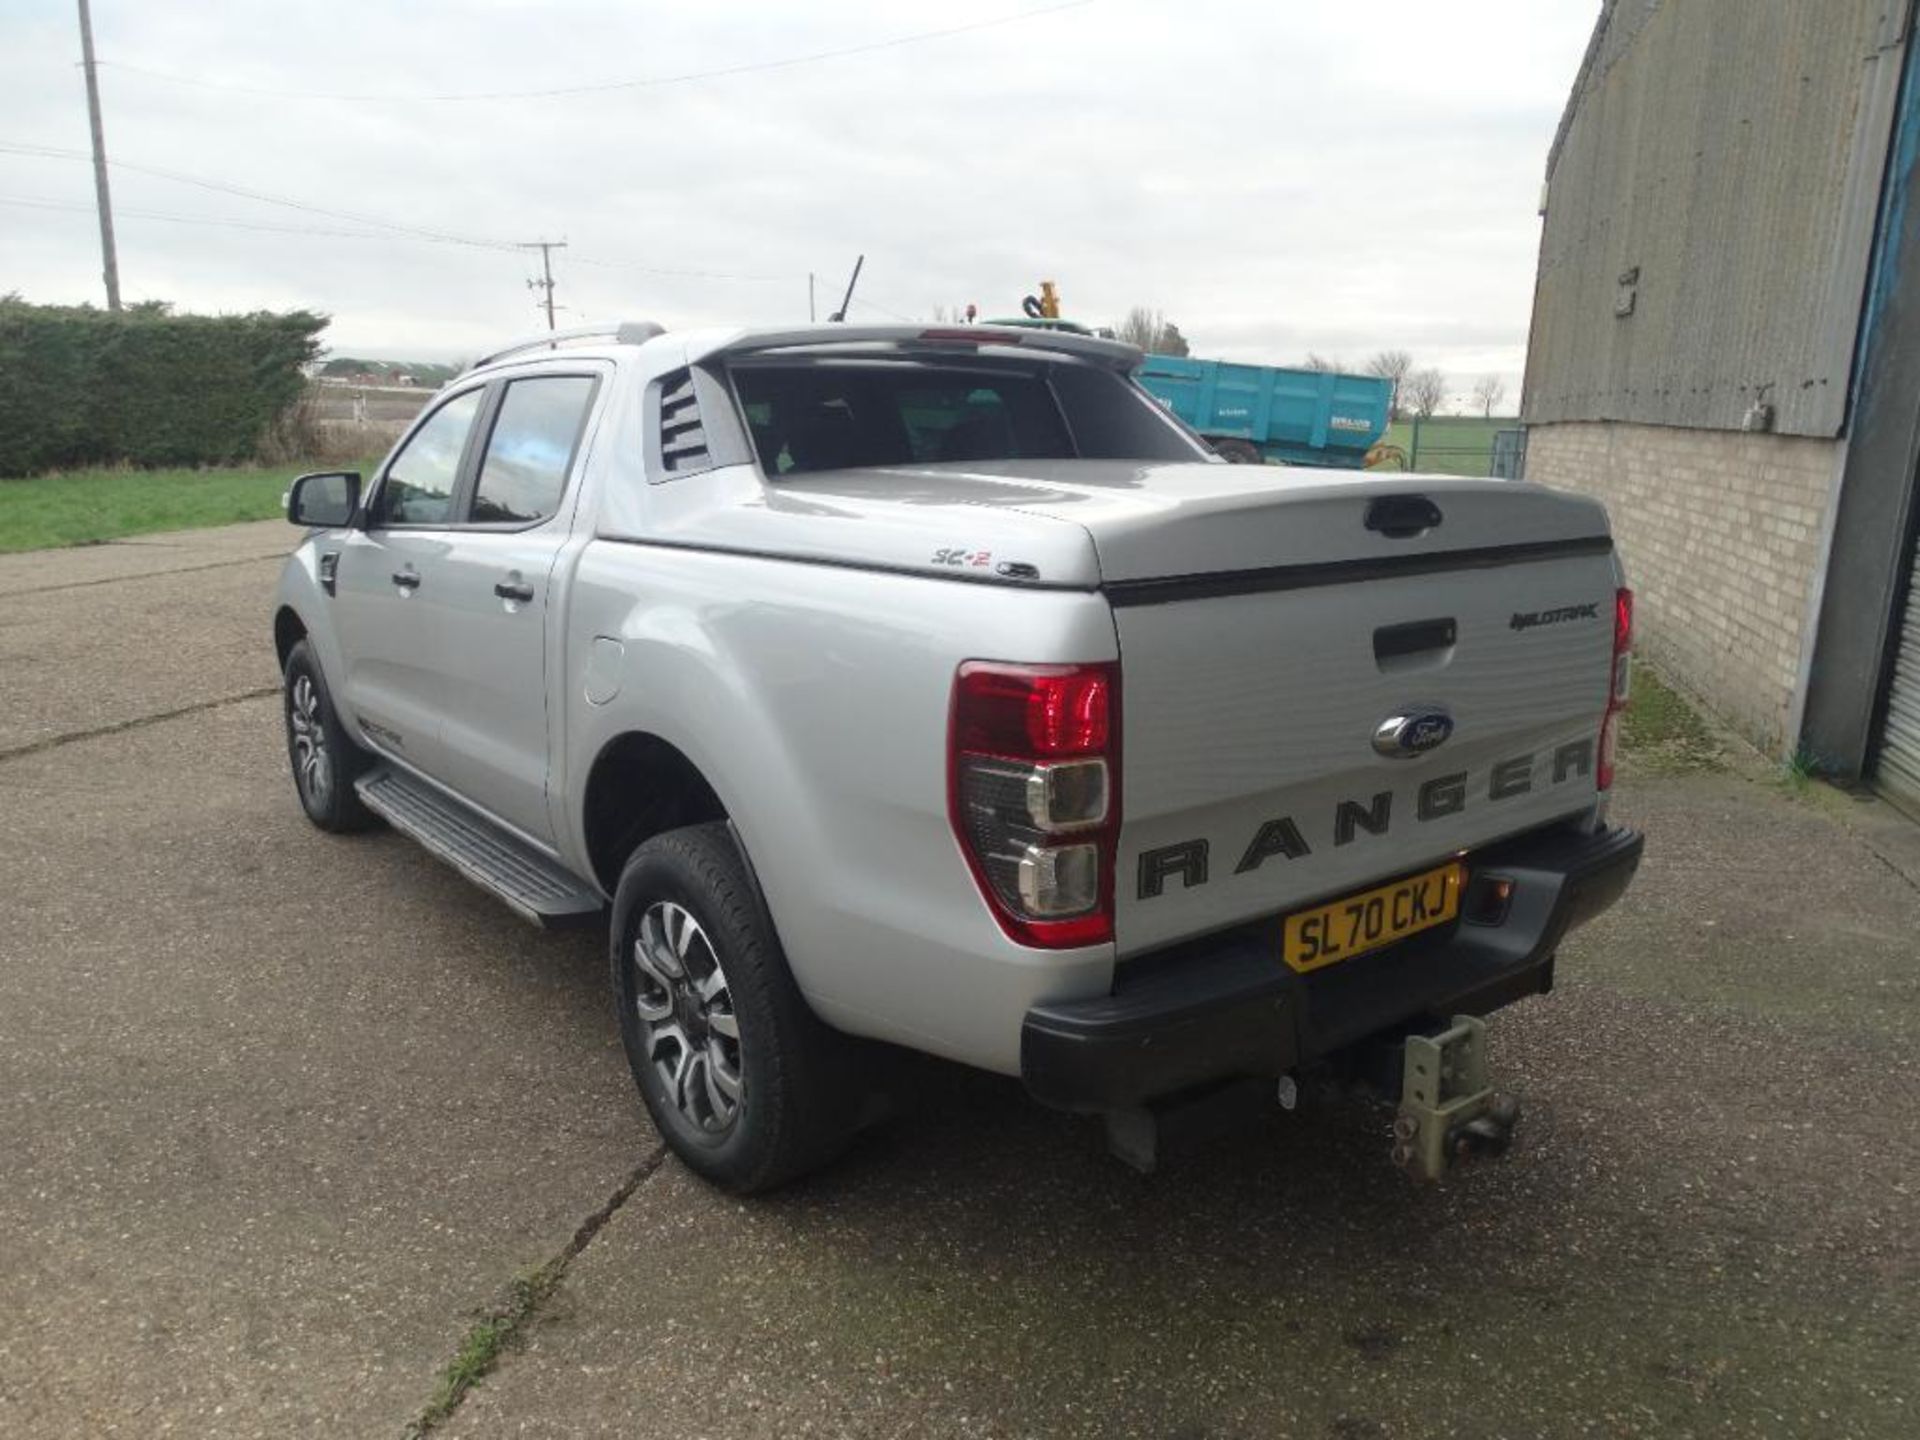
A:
x,y
1277,178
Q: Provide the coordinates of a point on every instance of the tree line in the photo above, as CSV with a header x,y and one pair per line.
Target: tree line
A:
x,y
1418,392
144,386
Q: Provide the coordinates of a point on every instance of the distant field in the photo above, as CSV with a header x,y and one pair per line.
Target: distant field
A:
x,y
1451,444
82,507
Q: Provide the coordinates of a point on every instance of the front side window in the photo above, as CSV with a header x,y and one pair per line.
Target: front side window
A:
x,y
524,471
421,479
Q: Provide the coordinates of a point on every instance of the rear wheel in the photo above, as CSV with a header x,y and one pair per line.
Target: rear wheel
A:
x,y
1239,452
743,1081
324,758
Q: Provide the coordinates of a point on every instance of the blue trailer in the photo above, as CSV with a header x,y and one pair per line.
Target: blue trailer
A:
x,y
1255,413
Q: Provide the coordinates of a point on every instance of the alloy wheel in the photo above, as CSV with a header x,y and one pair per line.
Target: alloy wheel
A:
x,y
689,1031
312,765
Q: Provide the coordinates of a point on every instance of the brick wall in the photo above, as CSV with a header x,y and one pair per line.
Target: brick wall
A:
x,y
1719,532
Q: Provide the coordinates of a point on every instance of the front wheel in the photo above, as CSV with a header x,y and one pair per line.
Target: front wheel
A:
x,y
743,1081
325,760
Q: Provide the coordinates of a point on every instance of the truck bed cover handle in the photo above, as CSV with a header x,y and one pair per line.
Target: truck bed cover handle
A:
x,y
1391,642
1401,517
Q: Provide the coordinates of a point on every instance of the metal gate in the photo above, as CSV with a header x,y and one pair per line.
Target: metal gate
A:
x,y
1898,769
1509,455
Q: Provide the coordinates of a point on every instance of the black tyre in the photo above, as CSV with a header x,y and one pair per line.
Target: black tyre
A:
x,y
1239,452
325,760
743,1081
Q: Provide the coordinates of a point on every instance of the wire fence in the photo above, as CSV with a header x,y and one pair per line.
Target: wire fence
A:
x,y
1459,445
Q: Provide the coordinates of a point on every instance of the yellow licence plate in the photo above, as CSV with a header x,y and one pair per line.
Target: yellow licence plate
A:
x,y
1356,924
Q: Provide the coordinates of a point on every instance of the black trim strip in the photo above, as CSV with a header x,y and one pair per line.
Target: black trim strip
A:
x,y
963,576
1343,572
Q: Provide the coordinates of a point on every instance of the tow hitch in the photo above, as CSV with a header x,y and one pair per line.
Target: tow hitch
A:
x,y
1448,1112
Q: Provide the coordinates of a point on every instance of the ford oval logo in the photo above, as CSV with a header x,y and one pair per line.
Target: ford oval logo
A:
x,y
1414,732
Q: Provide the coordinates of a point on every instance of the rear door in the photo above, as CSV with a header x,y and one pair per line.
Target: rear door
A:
x,y
389,600
500,622
1253,701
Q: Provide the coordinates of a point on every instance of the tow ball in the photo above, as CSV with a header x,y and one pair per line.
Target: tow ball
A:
x,y
1448,1113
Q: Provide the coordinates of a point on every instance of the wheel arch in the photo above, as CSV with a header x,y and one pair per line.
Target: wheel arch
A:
x,y
640,785
288,631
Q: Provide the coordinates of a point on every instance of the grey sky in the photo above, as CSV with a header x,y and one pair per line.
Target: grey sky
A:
x,y
1277,177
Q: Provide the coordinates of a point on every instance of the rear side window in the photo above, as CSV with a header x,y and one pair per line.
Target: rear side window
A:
x,y
1114,419
524,471
808,418
420,481
838,415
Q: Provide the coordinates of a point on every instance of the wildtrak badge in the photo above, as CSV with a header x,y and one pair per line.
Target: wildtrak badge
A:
x,y
1526,620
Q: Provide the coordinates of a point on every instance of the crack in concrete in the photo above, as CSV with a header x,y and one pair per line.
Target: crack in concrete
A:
x,y
72,737
1900,872
143,575
517,1309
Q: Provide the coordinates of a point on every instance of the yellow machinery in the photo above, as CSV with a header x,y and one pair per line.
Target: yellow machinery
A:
x,y
1045,305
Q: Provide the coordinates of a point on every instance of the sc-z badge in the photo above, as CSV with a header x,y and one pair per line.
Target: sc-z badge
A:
x,y
963,557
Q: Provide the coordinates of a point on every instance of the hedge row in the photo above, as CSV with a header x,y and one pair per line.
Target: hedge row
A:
x,y
80,386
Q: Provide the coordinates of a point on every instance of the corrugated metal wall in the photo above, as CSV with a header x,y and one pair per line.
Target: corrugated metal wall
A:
x,y
1898,769
1709,214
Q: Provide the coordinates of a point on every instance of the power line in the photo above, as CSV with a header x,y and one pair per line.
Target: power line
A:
x,y
53,152
35,203
603,87
892,314
411,232
683,274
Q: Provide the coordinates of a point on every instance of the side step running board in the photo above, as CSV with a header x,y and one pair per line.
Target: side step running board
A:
x,y
487,855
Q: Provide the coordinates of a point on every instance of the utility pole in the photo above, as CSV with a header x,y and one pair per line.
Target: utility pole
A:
x,y
110,261
545,283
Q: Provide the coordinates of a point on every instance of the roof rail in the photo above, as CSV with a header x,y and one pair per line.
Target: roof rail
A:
x,y
626,332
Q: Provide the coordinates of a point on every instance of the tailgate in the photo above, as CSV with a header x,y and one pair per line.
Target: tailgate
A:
x,y
1252,783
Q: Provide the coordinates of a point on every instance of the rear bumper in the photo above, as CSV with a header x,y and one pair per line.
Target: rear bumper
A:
x,y
1226,1007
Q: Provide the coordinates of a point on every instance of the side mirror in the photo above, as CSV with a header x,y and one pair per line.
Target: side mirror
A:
x,y
325,501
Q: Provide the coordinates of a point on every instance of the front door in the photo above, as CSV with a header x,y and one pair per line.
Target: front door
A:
x,y
500,625
389,601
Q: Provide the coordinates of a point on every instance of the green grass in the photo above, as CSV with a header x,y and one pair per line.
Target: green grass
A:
x,y
489,1338
84,507
1451,444
480,1350
1798,772
1662,733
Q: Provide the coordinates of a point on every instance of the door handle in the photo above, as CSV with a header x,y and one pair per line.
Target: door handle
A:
x,y
509,590
406,579
1392,642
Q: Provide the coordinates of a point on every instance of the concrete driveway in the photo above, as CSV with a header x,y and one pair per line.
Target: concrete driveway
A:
x,y
282,1115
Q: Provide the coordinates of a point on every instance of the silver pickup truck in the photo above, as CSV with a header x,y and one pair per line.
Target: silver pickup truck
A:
x,y
935,687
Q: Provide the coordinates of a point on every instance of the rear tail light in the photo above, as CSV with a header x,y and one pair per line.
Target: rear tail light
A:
x,y
1033,792
1620,685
